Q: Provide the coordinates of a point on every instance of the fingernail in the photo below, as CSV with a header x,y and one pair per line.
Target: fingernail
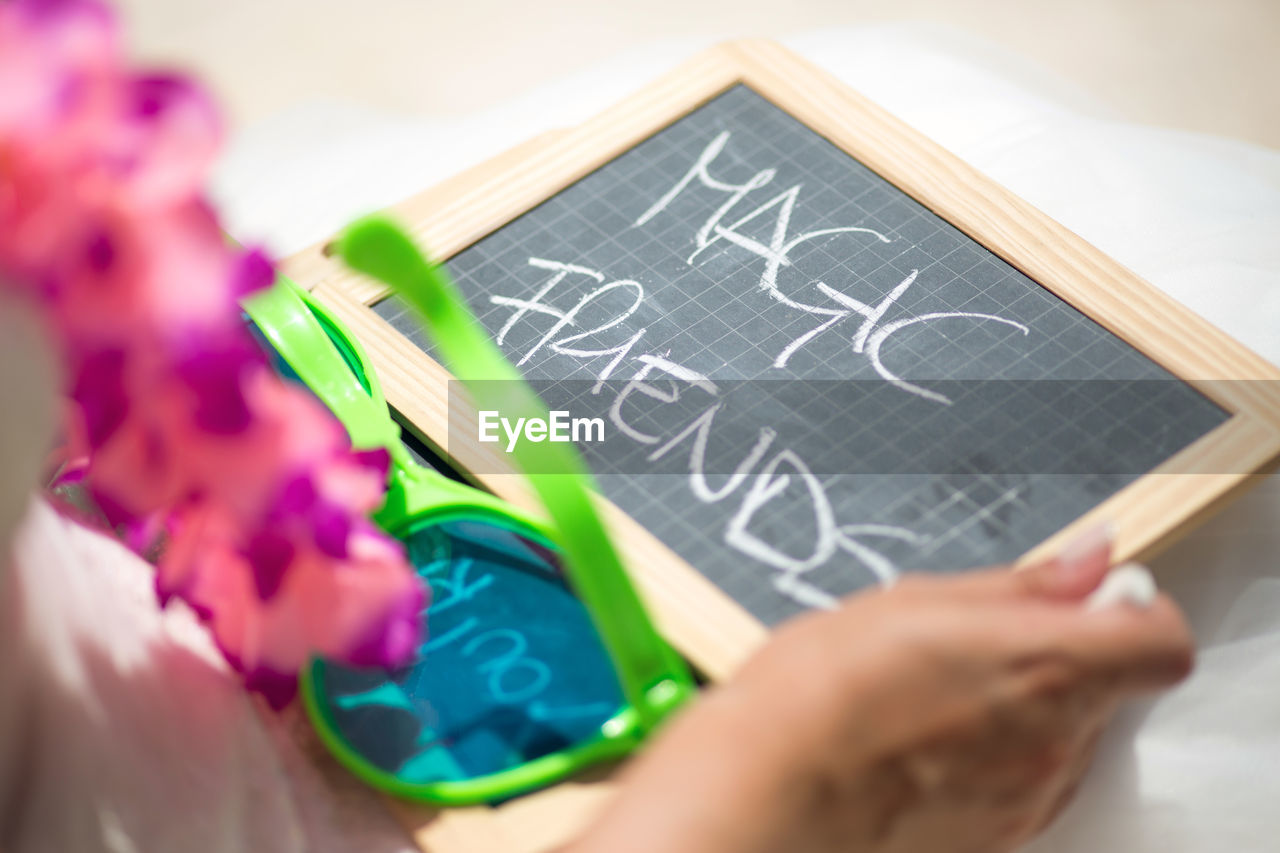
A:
x,y
1085,549
1129,584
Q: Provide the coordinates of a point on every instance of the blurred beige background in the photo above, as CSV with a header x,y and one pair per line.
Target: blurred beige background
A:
x,y
1204,65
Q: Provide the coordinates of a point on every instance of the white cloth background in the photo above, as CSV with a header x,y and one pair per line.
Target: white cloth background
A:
x,y
1198,770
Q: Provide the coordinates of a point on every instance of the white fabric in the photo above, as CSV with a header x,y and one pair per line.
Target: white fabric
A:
x,y
129,714
122,729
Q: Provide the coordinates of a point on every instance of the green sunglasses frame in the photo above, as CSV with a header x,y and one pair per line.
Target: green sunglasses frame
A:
x,y
317,346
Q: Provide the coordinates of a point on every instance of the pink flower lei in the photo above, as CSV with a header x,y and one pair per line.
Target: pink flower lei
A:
x,y
187,433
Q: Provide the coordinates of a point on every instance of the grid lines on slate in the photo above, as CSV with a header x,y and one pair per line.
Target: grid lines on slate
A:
x,y
713,316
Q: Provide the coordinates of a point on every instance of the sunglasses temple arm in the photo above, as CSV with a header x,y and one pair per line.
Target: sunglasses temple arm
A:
x,y
282,315
654,678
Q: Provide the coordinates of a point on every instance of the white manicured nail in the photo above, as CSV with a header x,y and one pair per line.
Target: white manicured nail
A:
x,y
1129,583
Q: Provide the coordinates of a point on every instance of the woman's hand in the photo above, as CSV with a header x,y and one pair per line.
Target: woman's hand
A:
x,y
943,714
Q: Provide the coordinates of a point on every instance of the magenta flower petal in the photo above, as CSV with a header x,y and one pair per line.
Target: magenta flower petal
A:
x,y
332,527
377,460
277,687
392,638
57,12
253,273
100,252
269,554
297,497
165,142
177,425
115,513
99,390
216,378
150,94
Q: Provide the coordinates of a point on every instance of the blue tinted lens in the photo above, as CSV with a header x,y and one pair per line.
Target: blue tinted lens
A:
x,y
512,670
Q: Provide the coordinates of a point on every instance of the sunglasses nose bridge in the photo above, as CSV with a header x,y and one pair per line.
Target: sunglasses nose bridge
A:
x,y
412,490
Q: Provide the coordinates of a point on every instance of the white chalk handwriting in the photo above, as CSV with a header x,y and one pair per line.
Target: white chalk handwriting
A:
x,y
768,469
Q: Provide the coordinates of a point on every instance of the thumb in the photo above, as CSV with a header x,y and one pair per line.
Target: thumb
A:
x,y
1075,571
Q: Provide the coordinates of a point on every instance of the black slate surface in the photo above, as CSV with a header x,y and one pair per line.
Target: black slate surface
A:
x,y
968,416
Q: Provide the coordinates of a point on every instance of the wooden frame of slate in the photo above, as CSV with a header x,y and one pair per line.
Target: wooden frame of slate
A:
x,y
705,623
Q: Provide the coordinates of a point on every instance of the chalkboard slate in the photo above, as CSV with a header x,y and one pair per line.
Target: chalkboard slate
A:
x,y
751,250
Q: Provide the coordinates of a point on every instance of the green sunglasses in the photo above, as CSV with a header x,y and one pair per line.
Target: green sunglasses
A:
x,y
520,682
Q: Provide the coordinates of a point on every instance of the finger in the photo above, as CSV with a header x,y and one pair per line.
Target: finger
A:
x,y
1076,570
1124,649
1070,784
1069,575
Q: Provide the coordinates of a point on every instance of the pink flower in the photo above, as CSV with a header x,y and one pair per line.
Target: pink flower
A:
x,y
181,430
